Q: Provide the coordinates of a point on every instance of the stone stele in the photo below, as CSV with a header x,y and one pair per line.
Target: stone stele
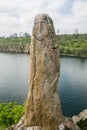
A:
x,y
43,110
43,105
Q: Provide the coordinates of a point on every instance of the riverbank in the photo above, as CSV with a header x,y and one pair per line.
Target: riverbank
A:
x,y
15,48
70,45
15,45
73,55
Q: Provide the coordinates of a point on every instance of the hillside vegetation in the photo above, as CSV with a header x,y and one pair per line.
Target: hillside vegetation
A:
x,y
14,44
71,45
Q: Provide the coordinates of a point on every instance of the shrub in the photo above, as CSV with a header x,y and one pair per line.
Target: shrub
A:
x,y
10,113
2,127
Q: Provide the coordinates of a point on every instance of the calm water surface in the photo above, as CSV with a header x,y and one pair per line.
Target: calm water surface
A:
x,y
14,74
72,87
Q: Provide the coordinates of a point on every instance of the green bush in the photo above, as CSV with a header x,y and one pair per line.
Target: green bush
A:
x,y
10,113
2,127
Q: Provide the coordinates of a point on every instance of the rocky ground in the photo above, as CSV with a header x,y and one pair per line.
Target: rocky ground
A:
x,y
15,48
77,122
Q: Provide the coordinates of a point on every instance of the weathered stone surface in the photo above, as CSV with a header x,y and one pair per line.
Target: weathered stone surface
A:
x,y
15,48
34,128
43,107
76,119
22,127
81,116
70,125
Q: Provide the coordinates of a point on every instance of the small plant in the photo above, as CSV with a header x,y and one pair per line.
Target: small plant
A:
x,y
10,113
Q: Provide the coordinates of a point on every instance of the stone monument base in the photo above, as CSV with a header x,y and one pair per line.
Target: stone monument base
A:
x,y
68,125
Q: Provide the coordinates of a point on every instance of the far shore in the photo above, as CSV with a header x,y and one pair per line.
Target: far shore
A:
x,y
73,55
61,55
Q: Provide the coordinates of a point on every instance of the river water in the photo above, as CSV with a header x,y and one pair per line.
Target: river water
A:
x,y
72,87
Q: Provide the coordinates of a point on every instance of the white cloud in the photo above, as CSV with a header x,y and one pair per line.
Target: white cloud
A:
x,y
77,18
18,15
80,8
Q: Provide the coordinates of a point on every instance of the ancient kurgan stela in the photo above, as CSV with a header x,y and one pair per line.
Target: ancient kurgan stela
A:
x,y
43,106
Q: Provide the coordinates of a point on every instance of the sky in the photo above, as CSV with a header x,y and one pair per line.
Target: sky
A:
x,y
18,15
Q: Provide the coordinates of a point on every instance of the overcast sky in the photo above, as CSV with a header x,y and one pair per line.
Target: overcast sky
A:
x,y
18,15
